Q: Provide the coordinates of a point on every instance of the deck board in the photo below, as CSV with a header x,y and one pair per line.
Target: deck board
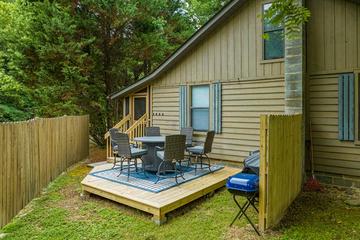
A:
x,y
160,203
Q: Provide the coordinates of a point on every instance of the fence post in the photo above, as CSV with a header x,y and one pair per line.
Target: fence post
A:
x,y
263,171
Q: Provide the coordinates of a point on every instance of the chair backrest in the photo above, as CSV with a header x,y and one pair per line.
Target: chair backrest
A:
x,y
188,132
174,148
121,140
112,132
209,141
152,131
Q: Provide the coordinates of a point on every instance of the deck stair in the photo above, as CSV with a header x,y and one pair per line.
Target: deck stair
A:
x,y
132,128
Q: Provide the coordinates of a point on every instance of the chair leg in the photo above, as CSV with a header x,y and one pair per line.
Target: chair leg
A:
x,y
158,172
136,168
128,167
176,176
121,166
181,171
143,167
189,159
114,162
196,162
208,162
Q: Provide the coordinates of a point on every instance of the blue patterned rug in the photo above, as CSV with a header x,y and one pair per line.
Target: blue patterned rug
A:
x,y
139,180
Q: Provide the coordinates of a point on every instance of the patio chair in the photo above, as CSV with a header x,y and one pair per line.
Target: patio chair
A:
x,y
123,150
188,132
200,151
172,154
113,132
152,131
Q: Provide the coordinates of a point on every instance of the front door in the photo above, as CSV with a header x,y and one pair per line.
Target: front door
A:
x,y
139,107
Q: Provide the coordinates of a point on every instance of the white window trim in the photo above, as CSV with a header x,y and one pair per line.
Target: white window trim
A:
x,y
190,106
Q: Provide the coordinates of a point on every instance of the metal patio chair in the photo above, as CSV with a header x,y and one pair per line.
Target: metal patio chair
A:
x,y
172,155
152,131
200,151
123,150
188,132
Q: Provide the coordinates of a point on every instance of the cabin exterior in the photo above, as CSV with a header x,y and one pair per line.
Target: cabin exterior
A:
x,y
333,54
226,75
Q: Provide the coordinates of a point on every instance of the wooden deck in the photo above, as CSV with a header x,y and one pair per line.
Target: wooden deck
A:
x,y
160,203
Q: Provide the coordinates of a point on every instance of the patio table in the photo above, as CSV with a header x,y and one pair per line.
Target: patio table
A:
x,y
151,142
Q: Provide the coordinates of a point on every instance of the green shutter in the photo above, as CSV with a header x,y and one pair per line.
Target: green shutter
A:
x,y
346,107
216,104
351,107
341,107
183,107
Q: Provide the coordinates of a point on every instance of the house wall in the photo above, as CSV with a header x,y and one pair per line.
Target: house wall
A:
x,y
250,86
333,47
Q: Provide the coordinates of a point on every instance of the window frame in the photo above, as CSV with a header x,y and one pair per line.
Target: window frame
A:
x,y
282,29
191,106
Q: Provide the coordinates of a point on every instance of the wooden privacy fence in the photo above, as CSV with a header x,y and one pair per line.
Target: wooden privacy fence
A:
x,y
33,153
281,166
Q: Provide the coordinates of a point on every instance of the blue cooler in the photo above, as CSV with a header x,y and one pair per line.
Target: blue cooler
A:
x,y
243,182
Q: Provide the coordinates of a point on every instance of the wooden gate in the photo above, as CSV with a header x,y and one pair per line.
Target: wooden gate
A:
x,y
281,166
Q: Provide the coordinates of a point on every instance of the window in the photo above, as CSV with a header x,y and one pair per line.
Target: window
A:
x,y
273,44
200,107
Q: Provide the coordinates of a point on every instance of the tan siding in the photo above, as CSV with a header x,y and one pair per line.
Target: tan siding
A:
x,y
333,48
232,52
166,101
330,154
333,36
243,102
233,55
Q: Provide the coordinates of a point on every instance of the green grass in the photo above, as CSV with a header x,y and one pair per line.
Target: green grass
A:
x,y
60,213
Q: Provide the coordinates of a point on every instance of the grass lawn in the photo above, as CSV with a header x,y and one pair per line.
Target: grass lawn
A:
x,y
60,213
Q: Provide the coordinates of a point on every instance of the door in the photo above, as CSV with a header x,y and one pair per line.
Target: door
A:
x,y
139,107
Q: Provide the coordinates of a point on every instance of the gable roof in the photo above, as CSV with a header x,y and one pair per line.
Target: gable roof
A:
x,y
199,35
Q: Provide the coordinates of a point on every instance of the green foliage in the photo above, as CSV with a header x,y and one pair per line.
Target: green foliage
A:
x,y
65,57
202,10
15,100
289,13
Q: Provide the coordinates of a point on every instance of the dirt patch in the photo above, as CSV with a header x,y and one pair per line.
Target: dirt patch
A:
x,y
97,154
243,233
71,202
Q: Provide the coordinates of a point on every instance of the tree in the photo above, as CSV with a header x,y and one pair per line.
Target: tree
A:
x,y
66,57
290,13
130,39
203,10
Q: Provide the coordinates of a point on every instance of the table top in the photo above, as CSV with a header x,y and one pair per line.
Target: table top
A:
x,y
150,139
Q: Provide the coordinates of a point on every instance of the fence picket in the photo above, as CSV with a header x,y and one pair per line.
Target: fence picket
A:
x,y
35,152
281,166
